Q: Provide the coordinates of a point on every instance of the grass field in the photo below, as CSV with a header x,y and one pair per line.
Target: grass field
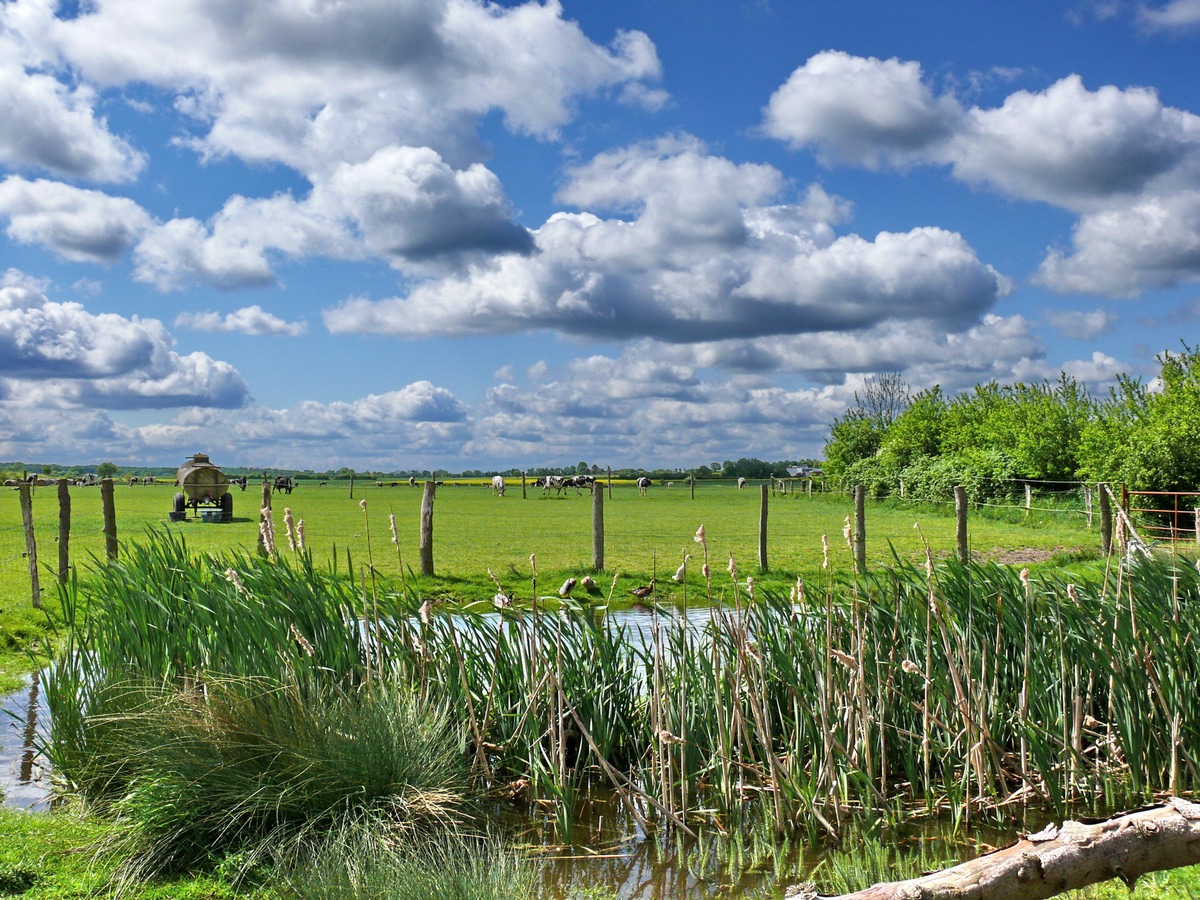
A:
x,y
475,531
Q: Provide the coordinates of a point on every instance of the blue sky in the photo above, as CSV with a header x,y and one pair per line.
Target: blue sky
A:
x,y
447,234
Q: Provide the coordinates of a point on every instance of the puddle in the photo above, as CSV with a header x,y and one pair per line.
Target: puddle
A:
x,y
24,773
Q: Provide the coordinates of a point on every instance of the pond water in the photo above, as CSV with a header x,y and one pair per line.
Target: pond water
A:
x,y
24,774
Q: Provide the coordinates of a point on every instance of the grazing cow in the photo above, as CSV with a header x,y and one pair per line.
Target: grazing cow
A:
x,y
133,479
379,484
548,482
498,485
670,484
322,484
412,480
741,482
580,481
643,483
241,481
149,479
284,483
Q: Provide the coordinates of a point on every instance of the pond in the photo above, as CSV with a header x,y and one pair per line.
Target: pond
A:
x,y
24,774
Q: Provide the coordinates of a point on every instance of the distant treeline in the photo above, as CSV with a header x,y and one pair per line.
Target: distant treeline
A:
x,y
992,438
741,468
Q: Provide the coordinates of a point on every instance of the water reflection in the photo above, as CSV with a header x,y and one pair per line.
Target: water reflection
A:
x,y
24,776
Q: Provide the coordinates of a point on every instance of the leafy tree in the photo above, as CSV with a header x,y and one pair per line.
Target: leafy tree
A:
x,y
106,469
1149,438
918,430
859,433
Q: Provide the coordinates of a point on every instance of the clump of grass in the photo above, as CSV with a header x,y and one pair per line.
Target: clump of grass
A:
x,y
362,861
249,766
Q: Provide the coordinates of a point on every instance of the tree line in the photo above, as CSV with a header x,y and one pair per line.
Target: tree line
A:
x,y
991,438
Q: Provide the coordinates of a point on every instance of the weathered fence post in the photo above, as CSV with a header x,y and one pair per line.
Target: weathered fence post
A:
x,y
524,495
901,488
64,530
762,529
960,512
597,528
110,517
1105,518
860,529
692,484
23,490
351,485
1196,513
1028,497
610,482
426,546
1087,504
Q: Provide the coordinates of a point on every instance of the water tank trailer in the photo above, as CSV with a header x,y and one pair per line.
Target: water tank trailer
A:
x,y
202,484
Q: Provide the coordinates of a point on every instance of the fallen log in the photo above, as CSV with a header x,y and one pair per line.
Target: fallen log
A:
x,y
1056,860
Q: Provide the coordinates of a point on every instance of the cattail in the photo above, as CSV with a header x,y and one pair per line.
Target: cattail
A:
x,y
236,580
290,525
847,533
300,535
750,586
533,562
362,504
1073,593
824,551
392,523
266,527
300,639
700,537
732,567
706,572
798,592
681,572
1024,576
426,611
845,659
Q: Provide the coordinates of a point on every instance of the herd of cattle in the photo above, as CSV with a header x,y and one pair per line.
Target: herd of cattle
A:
x,y
285,484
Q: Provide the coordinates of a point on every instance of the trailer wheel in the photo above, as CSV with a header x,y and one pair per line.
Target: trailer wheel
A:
x,y
226,507
180,503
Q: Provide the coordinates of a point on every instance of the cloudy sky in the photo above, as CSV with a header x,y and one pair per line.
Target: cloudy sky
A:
x,y
394,234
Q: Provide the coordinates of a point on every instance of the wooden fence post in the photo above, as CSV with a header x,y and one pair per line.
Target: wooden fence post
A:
x,y
1087,504
351,485
23,490
524,495
901,488
110,517
692,484
1105,518
610,482
597,528
960,512
860,529
1028,497
762,529
1196,513
64,530
426,545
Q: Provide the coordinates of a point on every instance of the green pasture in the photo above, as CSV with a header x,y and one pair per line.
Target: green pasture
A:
x,y
474,532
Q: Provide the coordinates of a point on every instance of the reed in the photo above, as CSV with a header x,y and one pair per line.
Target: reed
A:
x,y
949,686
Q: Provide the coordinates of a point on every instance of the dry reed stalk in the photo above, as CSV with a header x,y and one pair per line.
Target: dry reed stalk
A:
x,y
1023,707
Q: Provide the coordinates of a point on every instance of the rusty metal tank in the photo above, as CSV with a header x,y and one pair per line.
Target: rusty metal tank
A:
x,y
202,484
